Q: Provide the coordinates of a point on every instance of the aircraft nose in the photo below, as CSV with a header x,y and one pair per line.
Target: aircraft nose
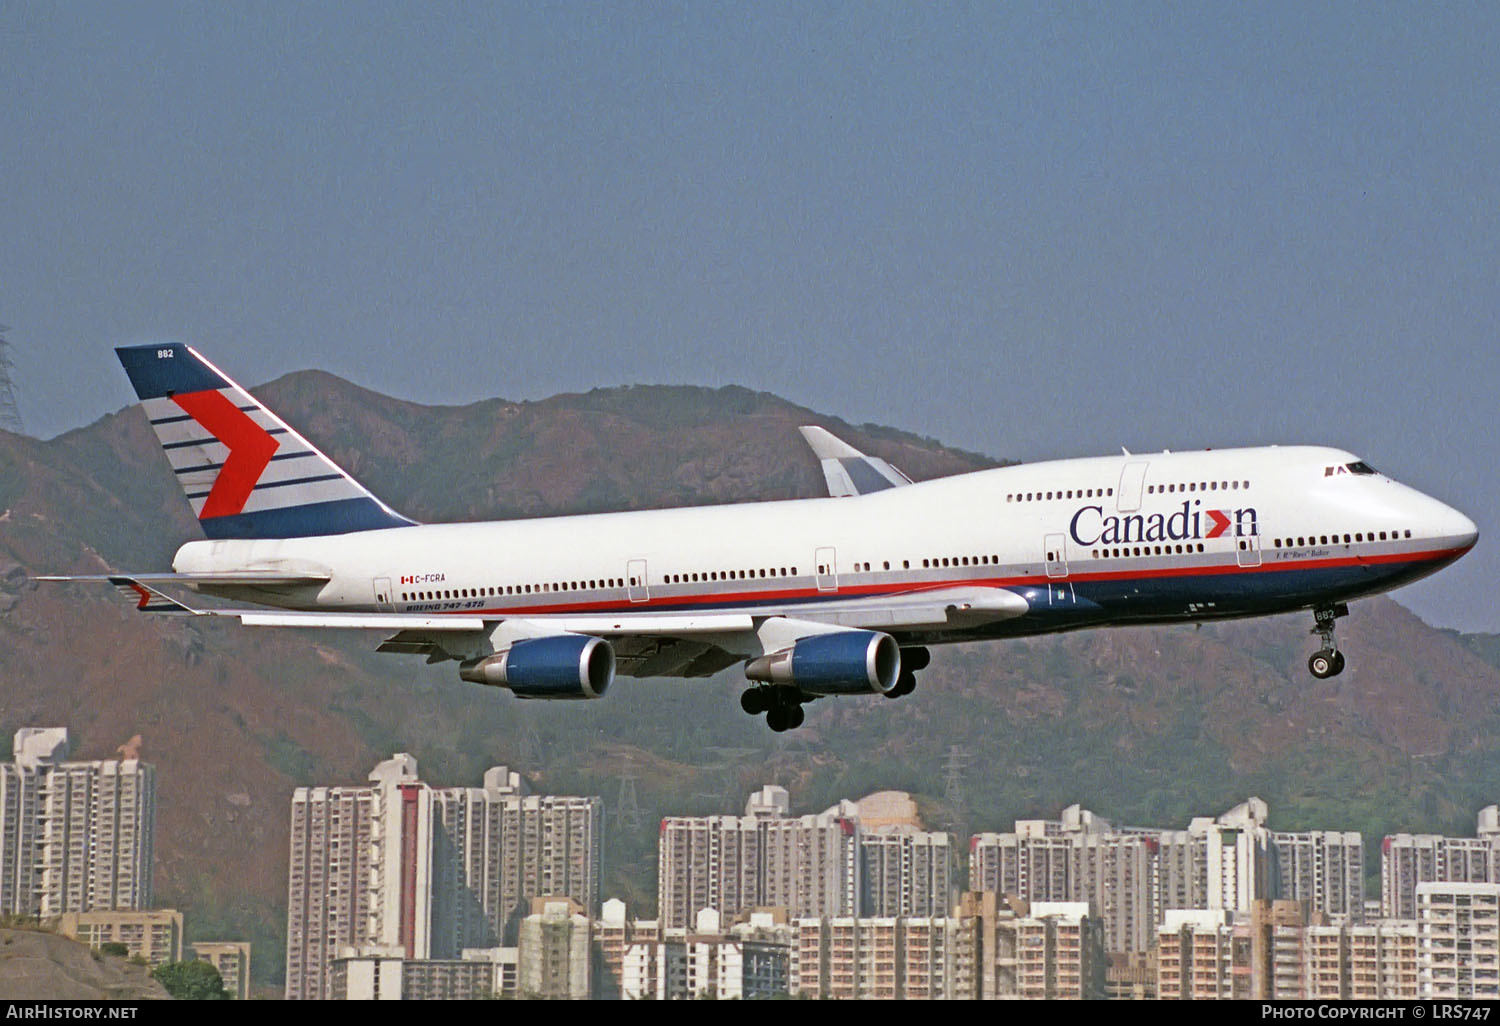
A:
x,y
1458,527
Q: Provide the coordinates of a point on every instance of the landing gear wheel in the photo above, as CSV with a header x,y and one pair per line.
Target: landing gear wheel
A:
x,y
1328,661
755,701
782,706
915,658
1324,664
905,685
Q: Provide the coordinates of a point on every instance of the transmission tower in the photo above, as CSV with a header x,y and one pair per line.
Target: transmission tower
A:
x,y
10,414
627,810
726,774
529,747
953,789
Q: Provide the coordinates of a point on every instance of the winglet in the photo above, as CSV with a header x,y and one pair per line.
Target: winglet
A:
x,y
847,470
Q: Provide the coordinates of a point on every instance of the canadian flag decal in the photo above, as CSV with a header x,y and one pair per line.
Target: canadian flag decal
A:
x,y
250,450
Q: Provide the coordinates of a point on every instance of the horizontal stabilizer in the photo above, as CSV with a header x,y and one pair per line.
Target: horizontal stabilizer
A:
x,y
848,471
265,579
149,600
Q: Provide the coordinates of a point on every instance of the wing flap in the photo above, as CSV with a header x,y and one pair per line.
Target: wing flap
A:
x,y
357,621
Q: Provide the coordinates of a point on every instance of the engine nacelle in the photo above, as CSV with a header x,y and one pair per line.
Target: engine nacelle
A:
x,y
840,663
561,667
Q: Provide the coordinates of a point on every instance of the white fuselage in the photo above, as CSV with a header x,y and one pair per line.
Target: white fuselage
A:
x,y
1170,536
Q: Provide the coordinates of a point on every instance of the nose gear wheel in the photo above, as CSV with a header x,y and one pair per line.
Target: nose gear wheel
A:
x,y
1328,661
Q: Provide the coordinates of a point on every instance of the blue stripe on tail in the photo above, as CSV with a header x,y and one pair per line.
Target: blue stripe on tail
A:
x,y
341,516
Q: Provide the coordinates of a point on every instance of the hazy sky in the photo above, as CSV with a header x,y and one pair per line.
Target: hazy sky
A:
x,y
1031,231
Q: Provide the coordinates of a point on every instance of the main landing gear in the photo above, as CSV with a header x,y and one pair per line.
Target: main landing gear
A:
x,y
912,659
782,706
1328,661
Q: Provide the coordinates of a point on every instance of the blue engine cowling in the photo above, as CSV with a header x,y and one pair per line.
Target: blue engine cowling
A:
x,y
839,663
562,667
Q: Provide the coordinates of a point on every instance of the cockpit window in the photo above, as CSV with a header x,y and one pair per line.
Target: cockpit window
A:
x,y
1360,467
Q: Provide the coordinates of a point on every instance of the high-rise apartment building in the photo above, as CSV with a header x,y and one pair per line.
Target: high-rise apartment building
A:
x,y
1132,876
1325,868
402,869
1079,858
74,836
1458,941
747,960
500,848
1407,860
1204,954
829,864
916,958
1279,951
1370,962
555,951
905,872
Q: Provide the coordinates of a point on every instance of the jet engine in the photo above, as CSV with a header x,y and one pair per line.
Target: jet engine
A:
x,y
562,667
840,663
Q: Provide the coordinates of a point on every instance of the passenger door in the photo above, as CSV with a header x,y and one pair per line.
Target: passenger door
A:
x,y
1057,555
1247,550
825,562
635,581
1132,486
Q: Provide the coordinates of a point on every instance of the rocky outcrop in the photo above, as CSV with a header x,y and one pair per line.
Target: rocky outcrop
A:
x,y
35,965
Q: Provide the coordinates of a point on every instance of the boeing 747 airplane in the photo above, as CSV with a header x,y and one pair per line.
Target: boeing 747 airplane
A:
x,y
815,597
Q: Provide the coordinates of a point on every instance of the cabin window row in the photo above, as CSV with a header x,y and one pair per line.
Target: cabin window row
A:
x,y
1332,539
513,589
729,575
859,566
1197,486
1143,550
1059,493
961,561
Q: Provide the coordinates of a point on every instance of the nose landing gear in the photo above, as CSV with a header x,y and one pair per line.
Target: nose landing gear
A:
x,y
1328,661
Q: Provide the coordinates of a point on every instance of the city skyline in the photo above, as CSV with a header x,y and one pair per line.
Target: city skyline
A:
x,y
403,888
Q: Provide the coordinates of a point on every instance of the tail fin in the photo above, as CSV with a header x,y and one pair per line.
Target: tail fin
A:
x,y
246,473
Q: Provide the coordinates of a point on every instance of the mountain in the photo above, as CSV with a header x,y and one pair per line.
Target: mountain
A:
x,y
1144,726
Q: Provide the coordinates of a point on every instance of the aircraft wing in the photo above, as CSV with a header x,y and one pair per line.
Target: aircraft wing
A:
x,y
847,470
646,644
